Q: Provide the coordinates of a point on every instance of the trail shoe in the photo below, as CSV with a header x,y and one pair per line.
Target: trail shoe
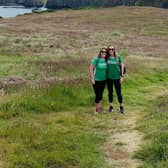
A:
x,y
121,109
111,109
98,110
96,113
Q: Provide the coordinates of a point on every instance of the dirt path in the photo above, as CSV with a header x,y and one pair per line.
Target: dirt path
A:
x,y
125,140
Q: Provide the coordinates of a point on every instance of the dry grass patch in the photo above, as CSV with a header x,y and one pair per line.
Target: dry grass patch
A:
x,y
69,32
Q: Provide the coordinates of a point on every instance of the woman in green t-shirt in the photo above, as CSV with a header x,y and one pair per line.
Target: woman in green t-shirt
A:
x,y
115,75
98,74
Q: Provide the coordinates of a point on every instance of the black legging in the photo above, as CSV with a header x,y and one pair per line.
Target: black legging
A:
x,y
117,86
98,89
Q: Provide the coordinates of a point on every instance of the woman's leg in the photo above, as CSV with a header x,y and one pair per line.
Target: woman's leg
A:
x,y
101,90
117,85
98,89
110,91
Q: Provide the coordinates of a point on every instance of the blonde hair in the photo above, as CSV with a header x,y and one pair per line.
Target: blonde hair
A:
x,y
115,53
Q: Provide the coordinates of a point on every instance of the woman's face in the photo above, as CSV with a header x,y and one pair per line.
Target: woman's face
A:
x,y
111,50
103,53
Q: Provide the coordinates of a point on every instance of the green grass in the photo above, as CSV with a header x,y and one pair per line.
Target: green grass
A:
x,y
48,127
55,126
62,97
155,126
51,142
56,98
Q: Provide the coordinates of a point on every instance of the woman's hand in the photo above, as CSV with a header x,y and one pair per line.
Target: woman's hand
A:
x,y
121,79
93,81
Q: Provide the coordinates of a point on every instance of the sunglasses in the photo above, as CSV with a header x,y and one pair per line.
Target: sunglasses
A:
x,y
112,49
103,52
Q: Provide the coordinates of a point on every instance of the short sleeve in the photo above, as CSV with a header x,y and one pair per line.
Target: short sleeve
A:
x,y
94,61
121,59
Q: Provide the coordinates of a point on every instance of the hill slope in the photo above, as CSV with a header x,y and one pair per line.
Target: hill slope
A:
x,y
47,113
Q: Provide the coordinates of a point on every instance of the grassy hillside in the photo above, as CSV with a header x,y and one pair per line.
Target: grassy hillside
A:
x,y
65,35
46,114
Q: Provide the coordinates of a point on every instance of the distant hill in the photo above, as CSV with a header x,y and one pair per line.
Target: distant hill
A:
x,y
57,4
26,3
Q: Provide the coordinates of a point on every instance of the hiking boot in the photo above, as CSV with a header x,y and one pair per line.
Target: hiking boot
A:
x,y
111,109
121,109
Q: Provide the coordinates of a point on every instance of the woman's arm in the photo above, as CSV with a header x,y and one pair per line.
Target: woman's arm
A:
x,y
122,73
92,73
122,69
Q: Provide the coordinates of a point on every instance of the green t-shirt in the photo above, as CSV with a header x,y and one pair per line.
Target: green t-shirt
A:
x,y
113,68
100,72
